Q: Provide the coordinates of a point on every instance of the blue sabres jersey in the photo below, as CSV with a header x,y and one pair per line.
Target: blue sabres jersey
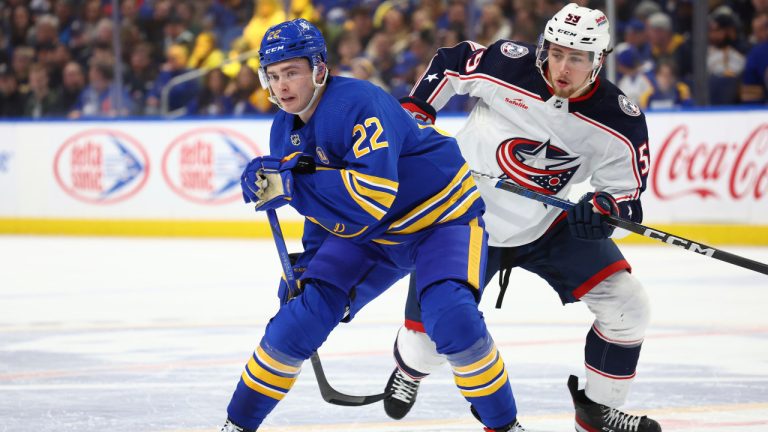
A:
x,y
380,175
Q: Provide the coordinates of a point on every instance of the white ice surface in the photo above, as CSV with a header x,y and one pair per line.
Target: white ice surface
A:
x,y
140,335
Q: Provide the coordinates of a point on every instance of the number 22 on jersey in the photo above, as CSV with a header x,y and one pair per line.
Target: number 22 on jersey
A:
x,y
362,145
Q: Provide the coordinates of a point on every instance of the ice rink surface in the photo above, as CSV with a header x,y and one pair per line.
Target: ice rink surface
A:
x,y
149,335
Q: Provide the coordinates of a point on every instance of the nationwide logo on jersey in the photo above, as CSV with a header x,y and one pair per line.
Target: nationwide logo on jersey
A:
x,y
204,165
513,50
538,166
630,108
101,166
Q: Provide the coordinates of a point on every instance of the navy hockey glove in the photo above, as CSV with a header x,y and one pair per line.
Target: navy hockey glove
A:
x,y
268,181
419,110
586,219
283,293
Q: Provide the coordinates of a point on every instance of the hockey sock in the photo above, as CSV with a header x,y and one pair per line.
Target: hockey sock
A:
x,y
267,377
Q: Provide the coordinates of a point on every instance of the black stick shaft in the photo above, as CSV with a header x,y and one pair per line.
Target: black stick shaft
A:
x,y
662,236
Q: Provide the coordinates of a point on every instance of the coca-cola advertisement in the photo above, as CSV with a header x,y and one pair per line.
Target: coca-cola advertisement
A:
x,y
708,167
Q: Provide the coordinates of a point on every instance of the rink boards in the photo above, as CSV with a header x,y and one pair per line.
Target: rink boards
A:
x,y
708,177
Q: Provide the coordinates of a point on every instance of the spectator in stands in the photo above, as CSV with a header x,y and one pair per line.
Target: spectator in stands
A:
x,y
361,24
177,33
64,15
347,48
379,51
363,69
267,14
72,85
212,100
635,37
663,40
141,76
179,95
668,91
21,60
759,29
393,22
246,96
754,88
101,97
492,25
59,58
11,99
45,33
205,54
21,23
725,63
633,82
41,101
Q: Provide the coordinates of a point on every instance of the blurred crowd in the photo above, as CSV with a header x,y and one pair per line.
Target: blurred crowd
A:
x,y
59,58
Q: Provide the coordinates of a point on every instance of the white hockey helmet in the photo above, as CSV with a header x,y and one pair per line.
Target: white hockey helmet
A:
x,y
579,28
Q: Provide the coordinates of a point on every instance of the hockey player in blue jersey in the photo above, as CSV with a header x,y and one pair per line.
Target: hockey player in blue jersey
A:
x,y
546,121
386,197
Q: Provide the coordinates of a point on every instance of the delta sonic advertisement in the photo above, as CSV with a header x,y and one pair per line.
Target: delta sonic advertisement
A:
x,y
129,170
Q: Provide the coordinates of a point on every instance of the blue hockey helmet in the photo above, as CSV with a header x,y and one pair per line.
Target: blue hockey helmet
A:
x,y
292,39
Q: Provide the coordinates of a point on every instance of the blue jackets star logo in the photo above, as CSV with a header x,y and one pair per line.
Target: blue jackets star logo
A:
x,y
542,167
430,77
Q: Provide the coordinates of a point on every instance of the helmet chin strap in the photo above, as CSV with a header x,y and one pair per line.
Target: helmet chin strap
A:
x,y
318,86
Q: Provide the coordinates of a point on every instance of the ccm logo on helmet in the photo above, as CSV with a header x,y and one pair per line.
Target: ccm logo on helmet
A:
x,y
271,50
566,32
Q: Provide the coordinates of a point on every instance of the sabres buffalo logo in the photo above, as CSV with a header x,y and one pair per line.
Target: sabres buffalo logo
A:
x,y
542,167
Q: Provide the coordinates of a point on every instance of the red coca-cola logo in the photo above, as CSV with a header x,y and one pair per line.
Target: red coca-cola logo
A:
x,y
735,169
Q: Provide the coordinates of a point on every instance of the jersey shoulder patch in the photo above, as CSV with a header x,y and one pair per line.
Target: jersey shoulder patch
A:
x,y
513,50
630,108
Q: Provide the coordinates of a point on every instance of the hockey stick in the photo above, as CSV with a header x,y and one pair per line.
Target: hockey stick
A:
x,y
636,228
328,393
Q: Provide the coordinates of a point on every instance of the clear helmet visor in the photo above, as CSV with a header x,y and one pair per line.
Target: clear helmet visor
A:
x,y
558,57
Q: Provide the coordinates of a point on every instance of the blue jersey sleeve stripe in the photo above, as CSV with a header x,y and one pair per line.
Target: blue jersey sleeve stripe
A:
x,y
461,199
366,205
380,198
379,182
433,201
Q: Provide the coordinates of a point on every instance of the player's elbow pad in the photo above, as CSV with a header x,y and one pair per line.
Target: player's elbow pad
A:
x,y
419,110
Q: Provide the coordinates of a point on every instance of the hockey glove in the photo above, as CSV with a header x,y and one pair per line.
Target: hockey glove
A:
x,y
283,293
421,111
268,181
586,219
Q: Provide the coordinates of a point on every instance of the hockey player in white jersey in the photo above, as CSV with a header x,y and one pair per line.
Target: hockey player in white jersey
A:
x,y
546,121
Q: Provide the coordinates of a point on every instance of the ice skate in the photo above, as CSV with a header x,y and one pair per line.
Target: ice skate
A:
x,y
402,391
594,417
231,427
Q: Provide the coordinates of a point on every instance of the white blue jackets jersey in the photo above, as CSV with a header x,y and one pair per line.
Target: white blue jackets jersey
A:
x,y
380,176
519,130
